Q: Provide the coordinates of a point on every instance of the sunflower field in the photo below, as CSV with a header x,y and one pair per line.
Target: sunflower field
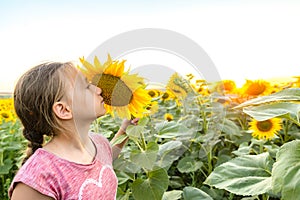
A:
x,y
196,140
12,144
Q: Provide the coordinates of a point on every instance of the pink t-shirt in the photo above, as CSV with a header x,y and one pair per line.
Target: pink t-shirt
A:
x,y
65,180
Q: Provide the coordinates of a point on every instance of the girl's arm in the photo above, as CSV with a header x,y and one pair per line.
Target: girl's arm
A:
x,y
118,147
24,192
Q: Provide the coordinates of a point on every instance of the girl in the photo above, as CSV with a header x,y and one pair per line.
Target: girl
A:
x,y
54,99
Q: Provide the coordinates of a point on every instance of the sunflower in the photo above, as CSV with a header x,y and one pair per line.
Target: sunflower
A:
x,y
153,93
6,116
265,129
169,117
179,86
152,108
256,88
123,93
228,86
203,90
167,95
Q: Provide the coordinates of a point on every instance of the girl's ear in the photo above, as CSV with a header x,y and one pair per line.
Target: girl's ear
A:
x,y
62,110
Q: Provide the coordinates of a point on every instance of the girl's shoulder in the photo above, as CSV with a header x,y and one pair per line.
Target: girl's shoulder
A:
x,y
37,172
99,139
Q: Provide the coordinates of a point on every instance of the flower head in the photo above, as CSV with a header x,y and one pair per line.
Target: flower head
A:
x,y
169,117
152,108
265,129
6,116
123,93
7,110
179,86
256,88
153,93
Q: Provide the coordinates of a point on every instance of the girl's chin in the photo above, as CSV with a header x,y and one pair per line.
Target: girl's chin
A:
x,y
101,114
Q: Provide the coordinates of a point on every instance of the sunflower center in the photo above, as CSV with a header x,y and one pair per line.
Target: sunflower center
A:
x,y
4,115
114,91
169,117
151,93
264,126
165,96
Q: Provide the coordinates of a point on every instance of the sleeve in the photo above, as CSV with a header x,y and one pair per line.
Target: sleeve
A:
x,y
34,174
104,149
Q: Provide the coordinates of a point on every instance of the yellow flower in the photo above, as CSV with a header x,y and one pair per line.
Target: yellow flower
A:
x,y
6,116
154,93
123,93
265,129
228,86
168,117
152,108
179,86
7,110
256,88
203,90
224,87
167,95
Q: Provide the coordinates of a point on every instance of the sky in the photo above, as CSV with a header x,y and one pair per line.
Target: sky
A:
x,y
247,39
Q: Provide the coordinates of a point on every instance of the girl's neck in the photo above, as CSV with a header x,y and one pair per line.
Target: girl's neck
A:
x,y
74,145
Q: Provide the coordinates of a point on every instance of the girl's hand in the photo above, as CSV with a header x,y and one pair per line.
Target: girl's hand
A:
x,y
127,122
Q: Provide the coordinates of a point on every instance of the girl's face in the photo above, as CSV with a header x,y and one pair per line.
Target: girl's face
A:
x,y
87,102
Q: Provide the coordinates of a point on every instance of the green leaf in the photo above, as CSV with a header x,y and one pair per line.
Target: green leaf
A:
x,y
143,121
169,152
192,193
243,149
123,177
191,121
119,139
245,175
279,109
286,170
167,127
153,187
134,132
172,130
172,195
286,95
145,158
124,164
123,195
230,128
188,164
291,183
5,168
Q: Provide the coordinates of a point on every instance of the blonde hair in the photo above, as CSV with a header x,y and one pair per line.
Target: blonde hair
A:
x,y
35,93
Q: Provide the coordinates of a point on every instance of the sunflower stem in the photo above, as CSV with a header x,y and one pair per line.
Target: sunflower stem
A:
x,y
143,141
265,196
137,143
193,179
295,121
287,125
261,146
209,158
203,115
